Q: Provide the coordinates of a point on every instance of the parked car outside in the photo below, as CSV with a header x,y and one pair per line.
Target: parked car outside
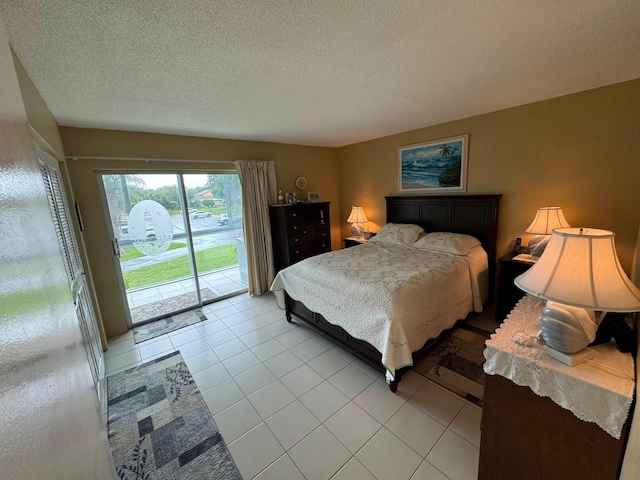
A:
x,y
224,220
199,214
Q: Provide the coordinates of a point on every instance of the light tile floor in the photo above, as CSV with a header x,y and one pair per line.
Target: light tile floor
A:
x,y
291,404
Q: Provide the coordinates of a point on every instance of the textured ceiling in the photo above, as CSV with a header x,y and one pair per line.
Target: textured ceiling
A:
x,y
323,72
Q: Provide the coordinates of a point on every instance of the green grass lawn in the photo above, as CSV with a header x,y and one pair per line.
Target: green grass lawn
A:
x,y
130,253
206,260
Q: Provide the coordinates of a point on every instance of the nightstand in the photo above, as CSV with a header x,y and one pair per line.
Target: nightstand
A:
x,y
508,293
353,241
544,419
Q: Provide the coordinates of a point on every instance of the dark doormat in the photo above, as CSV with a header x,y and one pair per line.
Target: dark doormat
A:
x,y
166,325
162,308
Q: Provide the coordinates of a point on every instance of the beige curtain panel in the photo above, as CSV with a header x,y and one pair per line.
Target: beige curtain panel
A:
x,y
259,190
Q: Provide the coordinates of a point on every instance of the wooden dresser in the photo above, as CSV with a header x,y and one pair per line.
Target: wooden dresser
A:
x,y
299,231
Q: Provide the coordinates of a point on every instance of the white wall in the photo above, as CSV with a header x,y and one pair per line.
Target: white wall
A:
x,y
50,420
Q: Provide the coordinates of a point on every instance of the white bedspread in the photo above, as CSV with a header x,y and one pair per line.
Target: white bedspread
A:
x,y
393,297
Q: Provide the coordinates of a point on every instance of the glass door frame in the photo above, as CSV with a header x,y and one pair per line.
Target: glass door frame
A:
x,y
184,205
187,235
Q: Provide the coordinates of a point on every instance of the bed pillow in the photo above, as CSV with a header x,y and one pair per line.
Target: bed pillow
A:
x,y
398,234
455,243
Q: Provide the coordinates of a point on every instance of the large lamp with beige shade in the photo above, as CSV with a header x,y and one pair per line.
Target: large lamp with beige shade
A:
x,y
578,274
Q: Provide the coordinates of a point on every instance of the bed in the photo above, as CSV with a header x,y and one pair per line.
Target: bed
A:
x,y
377,304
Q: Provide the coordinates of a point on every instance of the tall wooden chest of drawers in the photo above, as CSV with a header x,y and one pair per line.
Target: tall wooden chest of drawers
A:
x,y
299,231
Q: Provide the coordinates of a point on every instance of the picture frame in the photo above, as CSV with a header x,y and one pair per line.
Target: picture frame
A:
x,y
438,166
313,197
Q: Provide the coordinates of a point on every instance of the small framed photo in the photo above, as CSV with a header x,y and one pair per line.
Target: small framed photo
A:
x,y
313,197
438,166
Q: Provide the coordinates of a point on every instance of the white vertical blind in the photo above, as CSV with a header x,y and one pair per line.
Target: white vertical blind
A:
x,y
62,219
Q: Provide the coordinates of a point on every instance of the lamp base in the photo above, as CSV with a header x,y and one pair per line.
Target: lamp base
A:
x,y
357,230
570,359
567,329
537,245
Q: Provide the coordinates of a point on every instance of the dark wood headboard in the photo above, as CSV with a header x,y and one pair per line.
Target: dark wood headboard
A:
x,y
475,215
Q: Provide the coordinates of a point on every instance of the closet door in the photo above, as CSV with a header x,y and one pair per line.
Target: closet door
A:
x,y
63,222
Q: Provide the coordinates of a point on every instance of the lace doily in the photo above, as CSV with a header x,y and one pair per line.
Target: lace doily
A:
x,y
599,390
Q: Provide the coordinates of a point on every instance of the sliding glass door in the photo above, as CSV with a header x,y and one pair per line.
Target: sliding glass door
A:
x,y
216,232
175,238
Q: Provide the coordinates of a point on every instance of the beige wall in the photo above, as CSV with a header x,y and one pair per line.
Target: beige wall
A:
x,y
581,152
47,136
38,114
318,165
50,420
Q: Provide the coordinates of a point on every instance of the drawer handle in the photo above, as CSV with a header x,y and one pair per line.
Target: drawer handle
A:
x,y
297,251
294,215
304,231
296,239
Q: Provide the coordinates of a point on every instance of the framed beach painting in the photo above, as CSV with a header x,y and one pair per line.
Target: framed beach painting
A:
x,y
439,166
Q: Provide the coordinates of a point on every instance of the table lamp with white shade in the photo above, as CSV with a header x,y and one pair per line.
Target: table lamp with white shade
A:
x,y
546,219
578,274
357,218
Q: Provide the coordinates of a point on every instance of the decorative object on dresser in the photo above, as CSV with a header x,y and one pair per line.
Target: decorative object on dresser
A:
x,y
508,294
299,231
472,215
578,273
544,419
313,197
438,166
356,219
546,219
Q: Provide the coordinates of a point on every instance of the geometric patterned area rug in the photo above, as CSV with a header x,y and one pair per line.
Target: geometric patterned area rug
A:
x,y
161,428
166,306
166,325
455,362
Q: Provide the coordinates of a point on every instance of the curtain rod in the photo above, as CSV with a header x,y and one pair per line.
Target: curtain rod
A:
x,y
147,160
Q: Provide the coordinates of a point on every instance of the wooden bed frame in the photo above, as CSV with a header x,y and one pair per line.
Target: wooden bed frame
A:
x,y
475,215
